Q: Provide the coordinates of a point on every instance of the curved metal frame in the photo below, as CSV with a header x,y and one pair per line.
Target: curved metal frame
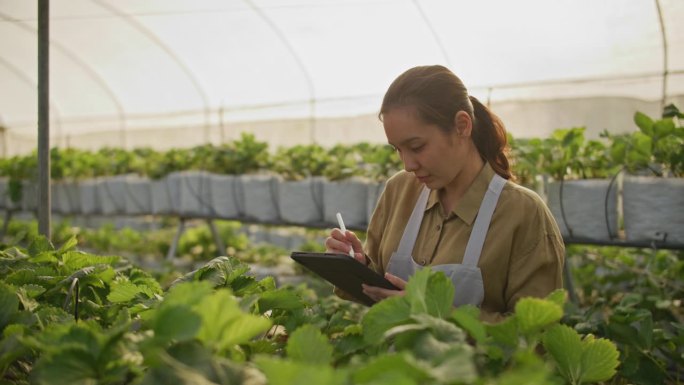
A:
x,y
300,63
34,86
81,63
663,34
157,41
435,36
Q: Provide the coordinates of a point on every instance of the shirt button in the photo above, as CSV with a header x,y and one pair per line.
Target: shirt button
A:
x,y
439,227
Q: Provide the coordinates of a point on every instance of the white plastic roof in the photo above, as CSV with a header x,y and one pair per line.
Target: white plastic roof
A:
x,y
197,66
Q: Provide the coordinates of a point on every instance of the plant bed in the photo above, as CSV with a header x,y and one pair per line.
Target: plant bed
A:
x,y
190,193
653,209
588,208
161,197
66,197
112,195
260,199
348,197
301,202
90,198
226,196
138,195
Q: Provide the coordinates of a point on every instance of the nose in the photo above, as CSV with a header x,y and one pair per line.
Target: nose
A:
x,y
410,164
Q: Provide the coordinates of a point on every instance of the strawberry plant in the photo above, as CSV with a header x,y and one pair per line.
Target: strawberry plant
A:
x,y
633,297
72,317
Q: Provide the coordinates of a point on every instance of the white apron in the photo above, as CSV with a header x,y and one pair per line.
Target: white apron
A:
x,y
466,277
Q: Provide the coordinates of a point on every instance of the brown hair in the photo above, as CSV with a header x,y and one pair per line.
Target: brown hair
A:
x,y
437,95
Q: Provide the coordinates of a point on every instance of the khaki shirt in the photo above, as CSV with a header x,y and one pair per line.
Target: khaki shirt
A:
x,y
523,253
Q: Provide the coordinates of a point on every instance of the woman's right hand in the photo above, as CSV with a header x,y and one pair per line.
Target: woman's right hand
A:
x,y
339,242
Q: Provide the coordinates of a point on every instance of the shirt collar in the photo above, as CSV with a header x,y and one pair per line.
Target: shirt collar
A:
x,y
469,205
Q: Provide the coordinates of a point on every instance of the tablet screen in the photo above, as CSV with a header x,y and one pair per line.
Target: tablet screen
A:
x,y
344,272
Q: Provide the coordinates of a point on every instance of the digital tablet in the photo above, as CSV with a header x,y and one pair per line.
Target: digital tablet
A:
x,y
344,272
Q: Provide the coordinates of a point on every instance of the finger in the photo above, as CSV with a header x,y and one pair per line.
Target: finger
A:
x,y
361,257
338,234
336,246
370,293
378,293
396,281
354,241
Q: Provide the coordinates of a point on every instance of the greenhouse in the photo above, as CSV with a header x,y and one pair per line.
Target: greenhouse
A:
x,y
165,164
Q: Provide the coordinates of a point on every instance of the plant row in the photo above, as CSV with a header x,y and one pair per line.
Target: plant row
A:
x,y
631,296
656,147
308,185
243,156
71,317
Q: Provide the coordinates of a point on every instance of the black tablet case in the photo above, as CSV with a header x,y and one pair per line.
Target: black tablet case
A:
x,y
344,272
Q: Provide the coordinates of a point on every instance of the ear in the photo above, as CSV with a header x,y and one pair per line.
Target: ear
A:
x,y
463,124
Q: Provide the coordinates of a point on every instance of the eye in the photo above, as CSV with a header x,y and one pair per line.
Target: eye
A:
x,y
417,148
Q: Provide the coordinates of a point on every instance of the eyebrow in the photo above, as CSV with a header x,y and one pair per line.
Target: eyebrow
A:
x,y
405,141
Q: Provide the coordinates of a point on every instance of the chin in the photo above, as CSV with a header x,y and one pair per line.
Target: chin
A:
x,y
433,185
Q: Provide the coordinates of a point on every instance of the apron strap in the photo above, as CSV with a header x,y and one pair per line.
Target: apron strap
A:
x,y
473,249
408,239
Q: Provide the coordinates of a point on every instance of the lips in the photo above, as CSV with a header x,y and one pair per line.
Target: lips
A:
x,y
422,178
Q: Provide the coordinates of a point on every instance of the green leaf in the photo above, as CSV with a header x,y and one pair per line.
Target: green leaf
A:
x,y
416,288
468,318
282,372
580,361
533,314
27,302
457,362
33,291
67,368
528,369
599,359
80,353
565,346
663,128
644,123
68,245
308,345
40,245
75,260
558,296
383,368
176,323
642,146
505,332
175,372
383,316
9,304
280,299
671,111
188,293
441,328
223,322
123,291
430,292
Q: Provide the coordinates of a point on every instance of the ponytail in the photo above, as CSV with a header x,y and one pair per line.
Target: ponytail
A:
x,y
489,136
437,95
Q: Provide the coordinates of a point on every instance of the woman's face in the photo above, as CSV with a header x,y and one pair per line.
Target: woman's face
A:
x,y
434,156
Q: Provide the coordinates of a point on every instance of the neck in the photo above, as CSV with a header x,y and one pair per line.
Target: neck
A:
x,y
452,193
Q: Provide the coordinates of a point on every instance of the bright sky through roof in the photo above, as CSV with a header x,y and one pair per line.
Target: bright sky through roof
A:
x,y
172,62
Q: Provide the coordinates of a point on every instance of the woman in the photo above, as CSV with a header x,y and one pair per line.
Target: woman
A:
x,y
453,207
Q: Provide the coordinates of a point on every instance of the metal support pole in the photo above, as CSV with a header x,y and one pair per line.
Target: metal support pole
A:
x,y
567,281
220,248
663,35
5,225
44,201
172,250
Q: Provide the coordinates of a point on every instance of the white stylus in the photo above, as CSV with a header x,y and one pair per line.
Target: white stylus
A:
x,y
340,222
